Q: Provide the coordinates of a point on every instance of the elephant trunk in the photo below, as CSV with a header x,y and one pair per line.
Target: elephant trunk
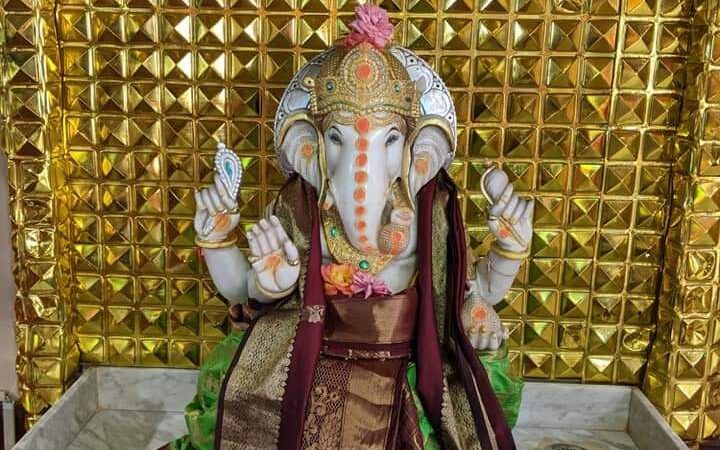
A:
x,y
360,189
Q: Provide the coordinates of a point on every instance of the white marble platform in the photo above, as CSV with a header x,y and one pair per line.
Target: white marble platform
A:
x,y
141,409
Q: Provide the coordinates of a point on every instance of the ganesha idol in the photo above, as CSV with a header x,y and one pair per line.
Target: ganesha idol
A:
x,y
369,325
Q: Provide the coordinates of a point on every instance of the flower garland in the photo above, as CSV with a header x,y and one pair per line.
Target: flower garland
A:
x,y
347,280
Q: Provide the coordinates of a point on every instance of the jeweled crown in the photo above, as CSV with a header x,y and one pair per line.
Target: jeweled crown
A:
x,y
361,75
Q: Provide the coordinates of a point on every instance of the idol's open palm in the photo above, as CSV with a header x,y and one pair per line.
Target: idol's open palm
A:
x,y
274,258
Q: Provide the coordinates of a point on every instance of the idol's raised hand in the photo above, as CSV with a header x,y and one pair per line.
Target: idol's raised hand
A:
x,y
509,216
274,258
216,212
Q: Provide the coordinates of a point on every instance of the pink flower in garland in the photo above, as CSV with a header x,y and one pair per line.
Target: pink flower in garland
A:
x,y
371,25
367,285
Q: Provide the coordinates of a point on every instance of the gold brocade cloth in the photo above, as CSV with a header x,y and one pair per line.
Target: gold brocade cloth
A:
x,y
359,397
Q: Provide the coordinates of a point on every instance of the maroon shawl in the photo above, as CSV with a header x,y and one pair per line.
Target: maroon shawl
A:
x,y
427,346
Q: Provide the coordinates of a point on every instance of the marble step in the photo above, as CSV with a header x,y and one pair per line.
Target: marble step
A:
x,y
114,408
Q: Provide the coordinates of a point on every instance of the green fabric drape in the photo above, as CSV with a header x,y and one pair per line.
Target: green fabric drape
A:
x,y
507,387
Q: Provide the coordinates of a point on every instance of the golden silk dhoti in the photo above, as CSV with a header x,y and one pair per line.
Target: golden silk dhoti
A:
x,y
360,398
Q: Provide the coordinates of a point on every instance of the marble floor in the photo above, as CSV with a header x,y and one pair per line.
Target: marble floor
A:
x,y
129,430
530,438
147,430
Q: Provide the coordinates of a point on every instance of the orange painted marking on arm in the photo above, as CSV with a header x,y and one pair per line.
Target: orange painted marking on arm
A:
x,y
478,313
221,221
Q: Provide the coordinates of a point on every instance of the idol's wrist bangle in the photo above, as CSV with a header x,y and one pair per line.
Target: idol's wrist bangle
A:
x,y
509,254
215,244
272,294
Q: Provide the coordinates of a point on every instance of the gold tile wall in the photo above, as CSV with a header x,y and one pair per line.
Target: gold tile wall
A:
x,y
30,136
684,371
580,99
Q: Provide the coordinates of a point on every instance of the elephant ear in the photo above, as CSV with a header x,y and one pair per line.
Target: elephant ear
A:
x,y
298,151
430,151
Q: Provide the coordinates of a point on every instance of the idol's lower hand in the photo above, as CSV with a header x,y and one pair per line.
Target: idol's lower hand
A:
x,y
216,214
482,325
274,258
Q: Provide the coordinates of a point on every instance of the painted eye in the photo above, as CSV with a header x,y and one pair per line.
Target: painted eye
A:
x,y
391,140
335,139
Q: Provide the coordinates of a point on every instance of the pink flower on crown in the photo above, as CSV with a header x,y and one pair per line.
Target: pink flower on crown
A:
x,y
371,25
366,284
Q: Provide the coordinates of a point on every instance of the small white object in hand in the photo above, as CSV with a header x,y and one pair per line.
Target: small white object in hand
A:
x,y
228,175
228,170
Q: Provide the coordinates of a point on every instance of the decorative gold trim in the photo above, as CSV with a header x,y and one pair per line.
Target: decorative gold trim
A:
x,y
294,262
483,190
386,87
272,294
509,254
350,119
289,121
215,244
343,251
305,115
423,122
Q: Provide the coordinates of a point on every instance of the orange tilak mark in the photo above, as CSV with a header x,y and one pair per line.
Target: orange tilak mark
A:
x,y
306,150
504,233
363,71
361,176
362,124
361,160
363,239
327,205
360,225
359,211
361,144
272,261
359,195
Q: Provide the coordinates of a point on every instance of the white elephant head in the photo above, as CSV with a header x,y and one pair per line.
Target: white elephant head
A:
x,y
367,127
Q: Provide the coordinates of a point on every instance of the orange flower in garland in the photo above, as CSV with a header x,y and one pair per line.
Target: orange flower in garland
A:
x,y
338,278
